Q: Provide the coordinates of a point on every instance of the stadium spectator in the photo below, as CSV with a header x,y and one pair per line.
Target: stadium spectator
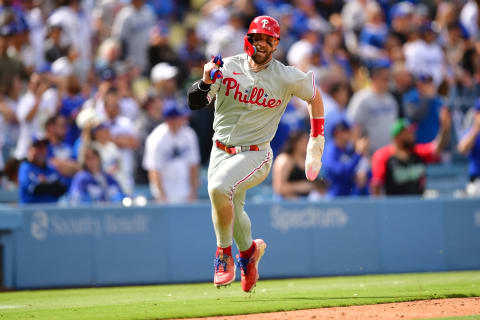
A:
x,y
76,31
341,160
402,82
469,18
288,173
8,123
71,104
220,41
134,19
10,67
373,110
54,47
401,15
59,154
36,23
373,35
163,78
123,135
469,145
425,55
34,108
159,50
400,168
92,184
151,115
422,107
38,182
172,157
97,135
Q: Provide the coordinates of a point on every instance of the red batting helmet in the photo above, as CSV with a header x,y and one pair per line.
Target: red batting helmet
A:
x,y
261,24
266,25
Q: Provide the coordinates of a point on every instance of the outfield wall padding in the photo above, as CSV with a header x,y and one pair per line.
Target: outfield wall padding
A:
x,y
95,246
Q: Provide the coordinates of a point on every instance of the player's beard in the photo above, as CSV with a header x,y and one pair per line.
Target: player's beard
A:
x,y
261,58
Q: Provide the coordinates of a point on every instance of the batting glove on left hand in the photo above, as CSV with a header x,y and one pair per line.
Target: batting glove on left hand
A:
x,y
313,162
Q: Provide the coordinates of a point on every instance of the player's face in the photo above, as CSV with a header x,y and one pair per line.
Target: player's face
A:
x,y
265,45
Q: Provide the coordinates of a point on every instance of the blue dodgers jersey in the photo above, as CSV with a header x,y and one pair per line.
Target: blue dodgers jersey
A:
x,y
30,176
85,188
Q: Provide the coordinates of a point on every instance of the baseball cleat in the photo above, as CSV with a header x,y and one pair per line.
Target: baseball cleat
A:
x,y
249,267
224,270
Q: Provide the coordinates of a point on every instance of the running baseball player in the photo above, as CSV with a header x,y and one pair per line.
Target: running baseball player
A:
x,y
250,100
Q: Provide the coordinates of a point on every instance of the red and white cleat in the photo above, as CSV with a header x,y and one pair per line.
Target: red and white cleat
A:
x,y
249,267
224,270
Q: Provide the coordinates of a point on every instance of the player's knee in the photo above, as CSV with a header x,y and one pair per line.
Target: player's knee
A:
x,y
217,190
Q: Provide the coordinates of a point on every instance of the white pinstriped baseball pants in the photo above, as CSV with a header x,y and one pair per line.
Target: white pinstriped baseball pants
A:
x,y
229,177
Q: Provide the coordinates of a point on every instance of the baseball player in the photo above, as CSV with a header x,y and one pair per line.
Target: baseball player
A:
x,y
250,100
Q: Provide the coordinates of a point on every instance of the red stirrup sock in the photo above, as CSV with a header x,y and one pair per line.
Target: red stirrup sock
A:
x,y
249,252
317,125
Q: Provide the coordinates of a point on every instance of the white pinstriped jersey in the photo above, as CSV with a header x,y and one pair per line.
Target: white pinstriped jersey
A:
x,y
249,104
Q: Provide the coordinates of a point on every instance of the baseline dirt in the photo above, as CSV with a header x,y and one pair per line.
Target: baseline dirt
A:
x,y
389,311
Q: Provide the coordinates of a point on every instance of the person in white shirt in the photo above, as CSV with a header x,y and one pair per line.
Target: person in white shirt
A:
x,y
425,55
123,135
132,25
469,18
221,42
172,157
34,108
77,30
8,122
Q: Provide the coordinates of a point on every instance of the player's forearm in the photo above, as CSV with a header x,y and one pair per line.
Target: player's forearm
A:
x,y
198,95
315,107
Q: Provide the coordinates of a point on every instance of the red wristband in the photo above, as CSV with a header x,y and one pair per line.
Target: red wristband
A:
x,y
317,125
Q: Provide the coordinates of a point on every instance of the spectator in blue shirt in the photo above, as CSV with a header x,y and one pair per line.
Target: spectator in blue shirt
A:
x,y
422,107
341,159
39,182
59,153
92,184
470,146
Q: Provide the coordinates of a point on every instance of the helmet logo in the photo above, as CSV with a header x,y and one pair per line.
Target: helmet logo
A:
x,y
264,23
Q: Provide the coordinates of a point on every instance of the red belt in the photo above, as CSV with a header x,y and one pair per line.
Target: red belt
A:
x,y
235,150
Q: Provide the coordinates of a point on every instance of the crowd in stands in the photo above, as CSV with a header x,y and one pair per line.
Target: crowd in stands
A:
x,y
92,94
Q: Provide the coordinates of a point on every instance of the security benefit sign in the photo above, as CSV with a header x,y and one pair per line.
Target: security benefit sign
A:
x,y
80,246
58,224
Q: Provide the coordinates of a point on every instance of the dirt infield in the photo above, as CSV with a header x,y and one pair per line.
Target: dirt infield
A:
x,y
388,311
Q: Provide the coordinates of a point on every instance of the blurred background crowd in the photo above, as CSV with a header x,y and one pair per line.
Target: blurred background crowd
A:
x,y
93,109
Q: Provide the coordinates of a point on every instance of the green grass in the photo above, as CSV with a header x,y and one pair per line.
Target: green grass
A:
x,y
168,301
457,318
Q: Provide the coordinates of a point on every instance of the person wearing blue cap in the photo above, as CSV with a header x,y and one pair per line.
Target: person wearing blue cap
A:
x,y
422,106
38,182
469,145
172,156
341,159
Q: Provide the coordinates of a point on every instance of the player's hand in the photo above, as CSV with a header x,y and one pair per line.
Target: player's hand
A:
x,y
206,72
313,161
